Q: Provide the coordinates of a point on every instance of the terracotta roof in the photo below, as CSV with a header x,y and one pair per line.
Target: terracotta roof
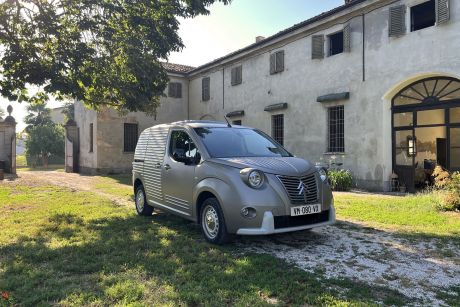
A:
x,y
177,68
295,27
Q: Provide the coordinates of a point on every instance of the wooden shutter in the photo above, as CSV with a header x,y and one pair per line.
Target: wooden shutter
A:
x,y
317,47
442,11
239,74
178,90
397,21
279,64
272,63
233,76
171,89
347,38
205,89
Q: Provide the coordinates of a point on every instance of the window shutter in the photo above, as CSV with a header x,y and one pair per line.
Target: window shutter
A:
x,y
279,61
442,11
397,21
272,63
205,89
347,38
317,47
240,74
171,89
178,90
234,77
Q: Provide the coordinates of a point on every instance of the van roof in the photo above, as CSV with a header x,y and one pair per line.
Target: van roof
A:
x,y
203,123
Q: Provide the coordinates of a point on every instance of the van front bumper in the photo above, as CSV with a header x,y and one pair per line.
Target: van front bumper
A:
x,y
268,225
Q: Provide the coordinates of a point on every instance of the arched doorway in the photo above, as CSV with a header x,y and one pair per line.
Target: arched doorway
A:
x,y
426,129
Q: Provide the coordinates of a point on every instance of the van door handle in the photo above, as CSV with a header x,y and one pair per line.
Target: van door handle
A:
x,y
158,165
167,166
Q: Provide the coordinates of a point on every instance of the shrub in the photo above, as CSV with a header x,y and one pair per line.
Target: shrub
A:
x,y
340,180
449,186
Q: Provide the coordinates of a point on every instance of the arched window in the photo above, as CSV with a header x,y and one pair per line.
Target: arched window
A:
x,y
428,91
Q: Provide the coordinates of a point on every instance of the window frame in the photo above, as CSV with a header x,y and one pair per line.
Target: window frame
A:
x,y
274,57
175,89
274,128
127,149
336,139
236,75
91,137
411,15
170,144
329,41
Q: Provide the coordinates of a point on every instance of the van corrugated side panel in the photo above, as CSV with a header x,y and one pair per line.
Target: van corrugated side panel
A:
x,y
153,164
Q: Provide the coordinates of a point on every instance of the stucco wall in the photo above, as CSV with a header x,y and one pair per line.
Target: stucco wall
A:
x,y
388,63
109,155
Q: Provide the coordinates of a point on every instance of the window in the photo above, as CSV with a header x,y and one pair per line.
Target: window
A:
x,y
175,90
237,75
276,62
237,122
182,148
335,43
278,128
91,138
423,15
205,89
130,137
336,129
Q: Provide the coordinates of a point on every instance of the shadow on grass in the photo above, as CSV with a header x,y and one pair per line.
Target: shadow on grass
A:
x,y
159,260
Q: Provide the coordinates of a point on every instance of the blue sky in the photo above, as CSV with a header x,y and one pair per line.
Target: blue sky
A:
x,y
227,29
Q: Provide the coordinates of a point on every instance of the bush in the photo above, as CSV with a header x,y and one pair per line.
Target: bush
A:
x,y
449,186
340,180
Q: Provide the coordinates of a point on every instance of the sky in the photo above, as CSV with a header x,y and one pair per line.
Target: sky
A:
x,y
226,29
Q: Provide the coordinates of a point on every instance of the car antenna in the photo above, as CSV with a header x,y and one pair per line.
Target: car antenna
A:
x,y
228,123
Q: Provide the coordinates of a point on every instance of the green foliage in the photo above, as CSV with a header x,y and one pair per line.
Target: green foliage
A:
x,y
340,180
69,111
45,141
450,196
38,115
104,53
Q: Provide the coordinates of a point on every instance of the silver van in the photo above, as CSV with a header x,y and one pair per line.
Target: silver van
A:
x,y
229,179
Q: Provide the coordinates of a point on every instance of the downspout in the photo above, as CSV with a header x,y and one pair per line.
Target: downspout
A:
x,y
364,48
223,88
188,99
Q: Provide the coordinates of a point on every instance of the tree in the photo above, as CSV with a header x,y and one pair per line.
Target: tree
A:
x,y
69,111
45,140
39,115
104,53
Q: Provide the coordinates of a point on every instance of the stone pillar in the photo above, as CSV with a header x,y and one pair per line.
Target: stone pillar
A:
x,y
8,142
72,147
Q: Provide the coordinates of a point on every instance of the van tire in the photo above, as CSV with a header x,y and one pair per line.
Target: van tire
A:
x,y
211,214
140,200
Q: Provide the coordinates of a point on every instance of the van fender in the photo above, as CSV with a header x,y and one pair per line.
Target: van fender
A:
x,y
223,191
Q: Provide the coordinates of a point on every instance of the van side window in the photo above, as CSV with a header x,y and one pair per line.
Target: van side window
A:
x,y
182,148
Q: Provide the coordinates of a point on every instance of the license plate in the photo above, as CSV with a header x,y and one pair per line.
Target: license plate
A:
x,y
306,209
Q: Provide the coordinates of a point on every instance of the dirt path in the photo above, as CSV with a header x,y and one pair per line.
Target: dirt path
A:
x,y
420,269
68,180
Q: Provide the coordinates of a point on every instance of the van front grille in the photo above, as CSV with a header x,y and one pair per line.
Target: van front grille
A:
x,y
301,190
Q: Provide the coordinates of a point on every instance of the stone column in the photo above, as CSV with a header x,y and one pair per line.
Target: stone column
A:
x,y
72,147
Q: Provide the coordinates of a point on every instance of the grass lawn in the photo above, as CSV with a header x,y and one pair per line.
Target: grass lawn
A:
x,y
59,246
413,215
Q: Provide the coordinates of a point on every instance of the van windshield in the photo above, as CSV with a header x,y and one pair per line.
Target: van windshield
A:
x,y
229,142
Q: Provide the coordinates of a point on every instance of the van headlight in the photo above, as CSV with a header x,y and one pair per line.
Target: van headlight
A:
x,y
252,177
322,173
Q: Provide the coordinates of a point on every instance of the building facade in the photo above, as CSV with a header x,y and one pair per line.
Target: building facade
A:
x,y
346,87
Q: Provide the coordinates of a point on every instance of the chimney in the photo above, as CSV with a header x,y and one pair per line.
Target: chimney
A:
x,y
259,38
348,1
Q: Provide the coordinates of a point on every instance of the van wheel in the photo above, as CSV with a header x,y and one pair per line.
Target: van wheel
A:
x,y
142,207
213,223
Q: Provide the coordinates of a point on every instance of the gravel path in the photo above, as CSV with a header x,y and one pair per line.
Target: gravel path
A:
x,y
417,268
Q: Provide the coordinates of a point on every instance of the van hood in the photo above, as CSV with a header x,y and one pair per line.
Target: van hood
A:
x,y
286,166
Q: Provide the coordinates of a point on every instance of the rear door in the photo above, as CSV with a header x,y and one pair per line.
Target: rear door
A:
x,y
153,164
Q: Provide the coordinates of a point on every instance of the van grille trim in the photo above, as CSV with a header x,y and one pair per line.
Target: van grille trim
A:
x,y
293,186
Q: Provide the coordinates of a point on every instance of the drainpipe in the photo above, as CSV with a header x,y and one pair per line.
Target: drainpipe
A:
x,y
223,88
188,99
364,48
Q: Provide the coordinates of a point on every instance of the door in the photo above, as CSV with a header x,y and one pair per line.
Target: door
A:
x,y
178,174
454,149
404,153
153,164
